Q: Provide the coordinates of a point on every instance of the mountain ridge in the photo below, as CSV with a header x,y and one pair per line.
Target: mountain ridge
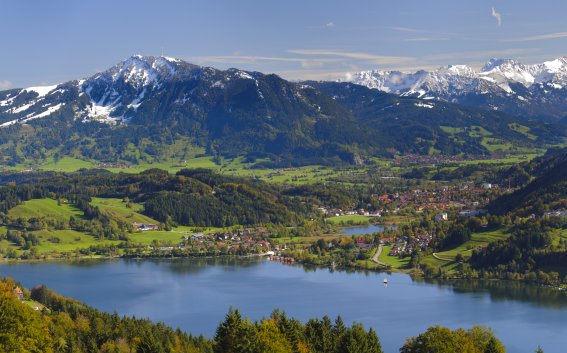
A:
x,y
139,107
538,90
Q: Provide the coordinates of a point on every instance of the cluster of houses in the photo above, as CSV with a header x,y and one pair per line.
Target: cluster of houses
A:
x,y
398,247
466,214
144,226
247,239
361,243
336,212
432,160
439,198
555,213
405,246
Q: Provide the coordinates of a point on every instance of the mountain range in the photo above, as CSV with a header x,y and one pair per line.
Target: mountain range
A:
x,y
538,90
147,108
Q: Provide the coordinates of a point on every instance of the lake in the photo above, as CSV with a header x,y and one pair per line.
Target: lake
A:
x,y
366,229
194,295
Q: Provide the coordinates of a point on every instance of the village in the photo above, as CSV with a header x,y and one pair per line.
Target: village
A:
x,y
464,197
463,201
245,241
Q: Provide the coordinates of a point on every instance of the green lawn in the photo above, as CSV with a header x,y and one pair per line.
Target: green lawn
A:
x,y
34,305
393,261
348,220
45,207
146,237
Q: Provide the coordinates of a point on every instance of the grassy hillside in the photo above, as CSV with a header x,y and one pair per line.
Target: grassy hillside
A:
x,y
128,212
45,208
479,239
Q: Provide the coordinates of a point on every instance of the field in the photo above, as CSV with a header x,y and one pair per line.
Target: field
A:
x,y
65,164
524,130
348,220
70,240
45,207
58,240
119,210
173,236
236,166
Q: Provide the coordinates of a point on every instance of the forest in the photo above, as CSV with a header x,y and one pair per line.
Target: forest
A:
x,y
197,197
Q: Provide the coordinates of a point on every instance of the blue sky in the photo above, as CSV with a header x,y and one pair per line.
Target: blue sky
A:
x,y
46,42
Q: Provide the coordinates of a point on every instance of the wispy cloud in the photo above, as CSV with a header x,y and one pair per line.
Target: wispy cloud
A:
x,y
407,29
317,75
5,85
472,57
556,35
375,59
330,24
497,16
245,59
421,31
424,39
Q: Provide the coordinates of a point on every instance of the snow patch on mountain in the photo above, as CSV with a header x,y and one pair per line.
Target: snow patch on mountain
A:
x,y
424,105
50,110
40,90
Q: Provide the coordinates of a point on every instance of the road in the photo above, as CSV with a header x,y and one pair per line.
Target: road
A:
x,y
377,255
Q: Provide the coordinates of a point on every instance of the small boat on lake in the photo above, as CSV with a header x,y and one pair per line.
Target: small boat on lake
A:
x,y
385,281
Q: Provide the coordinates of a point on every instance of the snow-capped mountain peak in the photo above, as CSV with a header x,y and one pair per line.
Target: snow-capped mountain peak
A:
x,y
118,92
117,95
142,71
503,84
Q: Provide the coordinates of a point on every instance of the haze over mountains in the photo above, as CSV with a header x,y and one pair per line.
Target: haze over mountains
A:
x,y
138,109
538,90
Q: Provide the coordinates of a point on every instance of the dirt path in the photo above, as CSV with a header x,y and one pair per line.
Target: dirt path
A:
x,y
440,258
377,255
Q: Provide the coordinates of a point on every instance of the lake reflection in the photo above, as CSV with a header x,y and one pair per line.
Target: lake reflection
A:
x,y
196,294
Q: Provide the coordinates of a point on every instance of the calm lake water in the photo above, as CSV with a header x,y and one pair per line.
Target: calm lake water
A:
x,y
368,229
194,295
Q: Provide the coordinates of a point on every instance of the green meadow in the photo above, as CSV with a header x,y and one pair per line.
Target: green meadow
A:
x,y
118,209
45,208
348,220
393,261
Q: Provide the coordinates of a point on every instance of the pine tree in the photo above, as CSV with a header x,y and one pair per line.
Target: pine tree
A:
x,y
228,335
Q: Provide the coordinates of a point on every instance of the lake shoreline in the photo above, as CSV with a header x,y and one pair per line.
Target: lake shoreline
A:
x,y
412,273
194,293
